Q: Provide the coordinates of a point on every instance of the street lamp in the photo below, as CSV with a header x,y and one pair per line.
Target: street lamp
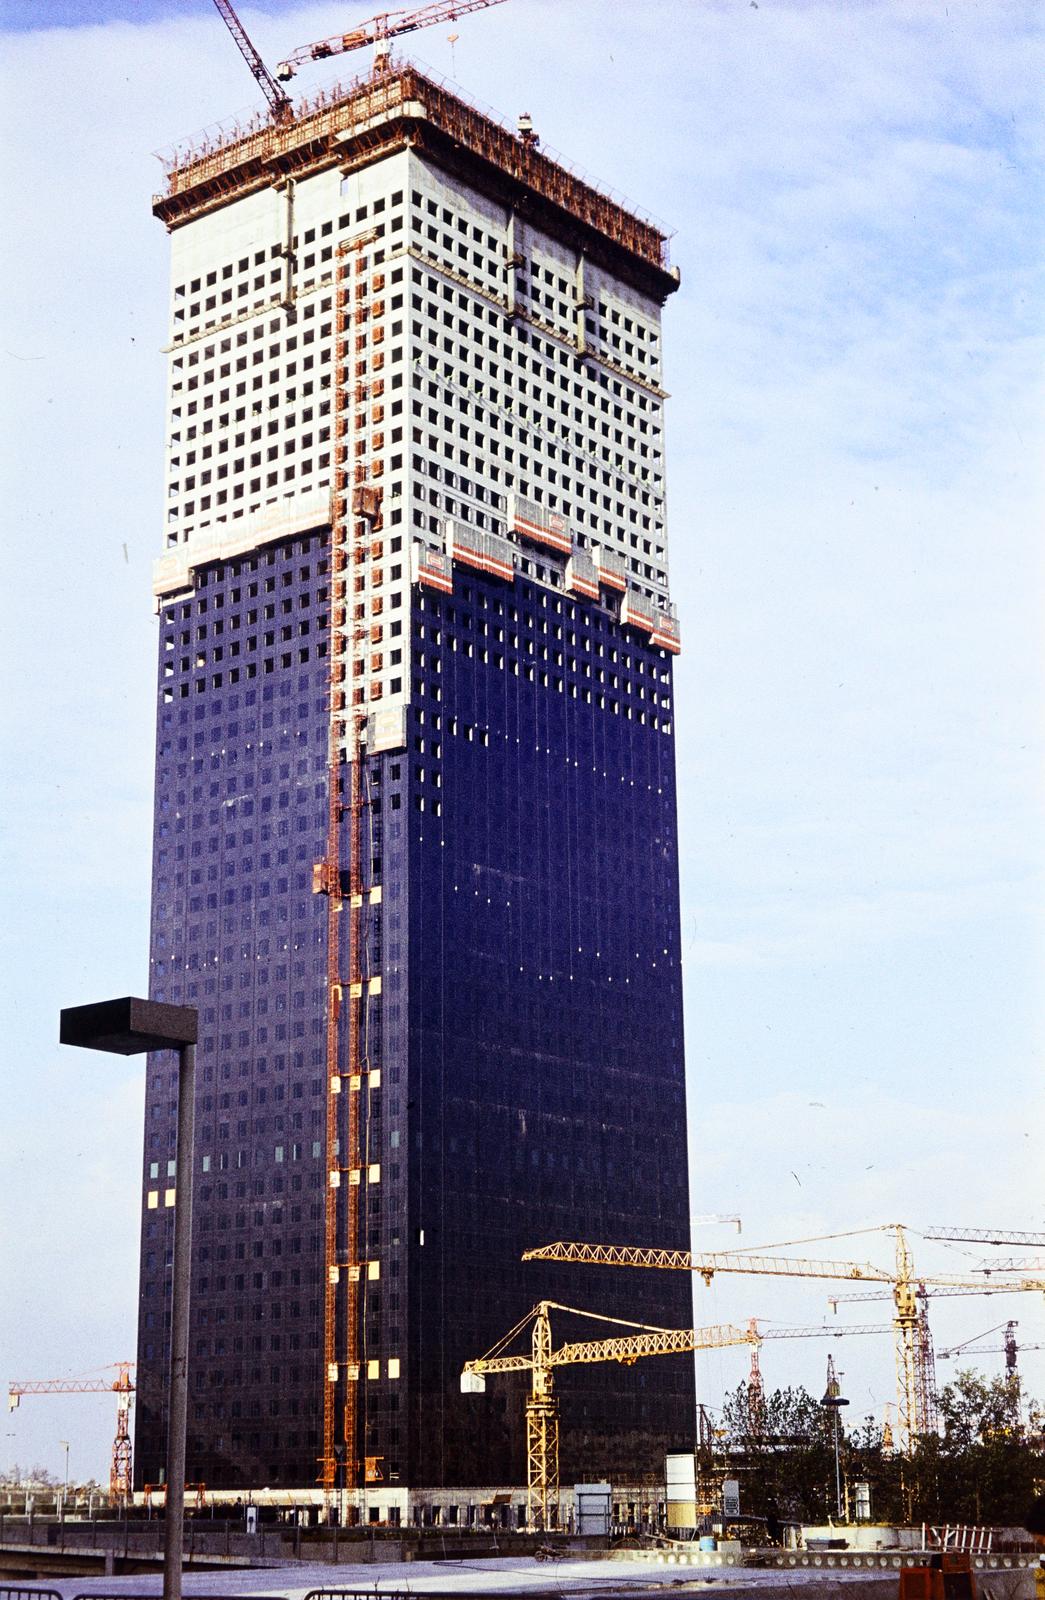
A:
x,y
65,1492
339,1457
833,1400
130,1027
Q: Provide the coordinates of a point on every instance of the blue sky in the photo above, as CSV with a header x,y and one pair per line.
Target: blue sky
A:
x,y
36,15
855,439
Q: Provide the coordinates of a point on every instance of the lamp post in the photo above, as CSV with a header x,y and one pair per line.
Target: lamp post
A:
x,y
833,1401
339,1457
130,1027
65,1492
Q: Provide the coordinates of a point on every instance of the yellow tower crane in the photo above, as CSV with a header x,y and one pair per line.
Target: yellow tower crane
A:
x,y
913,1349
542,1408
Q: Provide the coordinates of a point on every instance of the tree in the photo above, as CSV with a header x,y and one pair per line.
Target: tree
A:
x,y
980,1468
783,1445
985,1464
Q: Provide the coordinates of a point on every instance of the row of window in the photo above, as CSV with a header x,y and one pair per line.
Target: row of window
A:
x,y
285,468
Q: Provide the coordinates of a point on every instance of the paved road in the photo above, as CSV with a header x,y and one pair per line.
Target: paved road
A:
x,y
505,1576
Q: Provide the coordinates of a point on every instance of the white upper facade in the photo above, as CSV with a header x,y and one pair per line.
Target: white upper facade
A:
x,y
519,386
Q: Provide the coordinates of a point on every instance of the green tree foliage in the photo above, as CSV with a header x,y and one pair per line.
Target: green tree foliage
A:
x,y
785,1443
981,1468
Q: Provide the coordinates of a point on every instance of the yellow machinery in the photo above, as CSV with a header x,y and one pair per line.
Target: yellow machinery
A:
x,y
914,1361
542,1408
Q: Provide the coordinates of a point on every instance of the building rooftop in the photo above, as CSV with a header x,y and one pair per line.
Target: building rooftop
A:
x,y
349,126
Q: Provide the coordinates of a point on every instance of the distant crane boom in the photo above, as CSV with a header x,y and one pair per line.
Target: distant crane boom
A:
x,y
916,1383
279,101
940,1289
625,1349
826,1331
58,1386
1012,1264
1010,1330
983,1236
624,1255
985,1350
378,30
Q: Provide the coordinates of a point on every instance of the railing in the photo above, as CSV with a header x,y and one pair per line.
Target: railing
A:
x,y
339,111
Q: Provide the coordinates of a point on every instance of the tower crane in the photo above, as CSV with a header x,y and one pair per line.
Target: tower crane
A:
x,y
379,31
123,1387
756,1389
542,1408
914,1361
279,101
1010,1349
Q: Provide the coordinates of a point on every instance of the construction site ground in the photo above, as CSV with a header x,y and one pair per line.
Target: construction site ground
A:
x,y
609,1577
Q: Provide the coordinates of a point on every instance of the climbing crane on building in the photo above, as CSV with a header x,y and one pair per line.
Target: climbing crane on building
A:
x,y
123,1387
280,107
914,1361
542,1407
379,31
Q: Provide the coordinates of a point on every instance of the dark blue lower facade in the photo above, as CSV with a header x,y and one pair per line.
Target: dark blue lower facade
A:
x,y
545,1020
528,1036
240,817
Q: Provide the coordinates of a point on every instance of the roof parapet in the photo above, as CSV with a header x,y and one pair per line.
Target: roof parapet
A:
x,y
245,156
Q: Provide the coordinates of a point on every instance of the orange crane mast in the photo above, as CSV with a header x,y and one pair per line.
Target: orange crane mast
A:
x,y
123,1387
355,522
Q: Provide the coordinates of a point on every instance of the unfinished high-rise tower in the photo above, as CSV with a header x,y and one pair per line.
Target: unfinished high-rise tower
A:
x,y
415,849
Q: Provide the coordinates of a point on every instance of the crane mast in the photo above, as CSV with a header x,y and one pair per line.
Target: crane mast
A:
x,y
915,1363
542,1408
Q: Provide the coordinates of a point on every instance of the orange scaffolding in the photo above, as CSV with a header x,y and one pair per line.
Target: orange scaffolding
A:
x,y
216,168
355,519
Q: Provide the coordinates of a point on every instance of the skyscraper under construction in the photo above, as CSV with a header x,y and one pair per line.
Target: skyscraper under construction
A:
x,y
415,850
